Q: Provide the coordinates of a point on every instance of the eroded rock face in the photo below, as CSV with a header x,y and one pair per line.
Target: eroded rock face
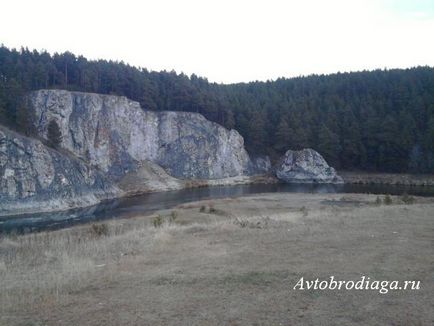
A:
x,y
261,165
35,177
305,166
116,135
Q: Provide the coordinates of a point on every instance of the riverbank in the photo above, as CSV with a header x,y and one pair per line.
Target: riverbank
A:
x,y
405,179
151,178
131,186
227,261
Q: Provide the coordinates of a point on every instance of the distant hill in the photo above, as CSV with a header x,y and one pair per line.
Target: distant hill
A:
x,y
381,120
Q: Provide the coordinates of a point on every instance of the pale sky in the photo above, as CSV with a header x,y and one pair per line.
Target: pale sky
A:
x,y
229,40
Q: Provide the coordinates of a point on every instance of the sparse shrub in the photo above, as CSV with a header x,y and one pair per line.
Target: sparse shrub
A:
x,y
13,234
99,230
304,211
407,199
244,223
260,224
378,201
387,200
157,221
173,216
241,223
212,209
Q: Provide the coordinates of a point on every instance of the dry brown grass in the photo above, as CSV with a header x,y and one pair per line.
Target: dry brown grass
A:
x,y
229,262
49,264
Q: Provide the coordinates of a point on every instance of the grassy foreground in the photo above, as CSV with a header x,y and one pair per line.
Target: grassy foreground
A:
x,y
230,261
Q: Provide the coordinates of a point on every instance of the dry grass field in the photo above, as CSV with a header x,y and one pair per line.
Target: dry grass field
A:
x,y
227,262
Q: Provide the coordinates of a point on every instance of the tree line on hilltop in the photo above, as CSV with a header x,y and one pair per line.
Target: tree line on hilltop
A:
x,y
380,120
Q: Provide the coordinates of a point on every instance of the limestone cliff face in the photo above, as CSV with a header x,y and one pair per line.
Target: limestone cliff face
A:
x,y
35,177
116,135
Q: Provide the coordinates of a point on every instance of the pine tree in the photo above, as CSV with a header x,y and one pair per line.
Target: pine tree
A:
x,y
256,134
328,145
282,136
415,159
54,134
299,138
3,115
25,118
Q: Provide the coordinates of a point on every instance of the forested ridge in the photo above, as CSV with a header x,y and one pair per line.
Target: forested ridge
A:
x,y
381,120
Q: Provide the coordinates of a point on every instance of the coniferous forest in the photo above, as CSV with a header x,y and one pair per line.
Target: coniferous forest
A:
x,y
380,120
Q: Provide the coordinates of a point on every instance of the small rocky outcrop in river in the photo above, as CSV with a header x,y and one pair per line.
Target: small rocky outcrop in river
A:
x,y
35,177
116,135
305,166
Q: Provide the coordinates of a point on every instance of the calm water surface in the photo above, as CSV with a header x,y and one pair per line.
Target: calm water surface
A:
x,y
148,203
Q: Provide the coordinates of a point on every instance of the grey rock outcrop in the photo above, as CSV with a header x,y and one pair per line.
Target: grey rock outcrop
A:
x,y
261,165
149,177
305,166
116,135
34,177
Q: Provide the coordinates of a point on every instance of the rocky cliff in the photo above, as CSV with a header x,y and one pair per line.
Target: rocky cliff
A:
x,y
116,135
35,177
110,147
305,166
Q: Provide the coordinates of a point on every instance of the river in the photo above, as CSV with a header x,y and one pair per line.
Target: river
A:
x,y
148,203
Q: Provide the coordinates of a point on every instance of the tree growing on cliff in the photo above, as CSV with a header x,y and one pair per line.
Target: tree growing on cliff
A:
x,y
54,135
3,114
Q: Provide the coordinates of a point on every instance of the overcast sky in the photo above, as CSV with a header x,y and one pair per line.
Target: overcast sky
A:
x,y
230,40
